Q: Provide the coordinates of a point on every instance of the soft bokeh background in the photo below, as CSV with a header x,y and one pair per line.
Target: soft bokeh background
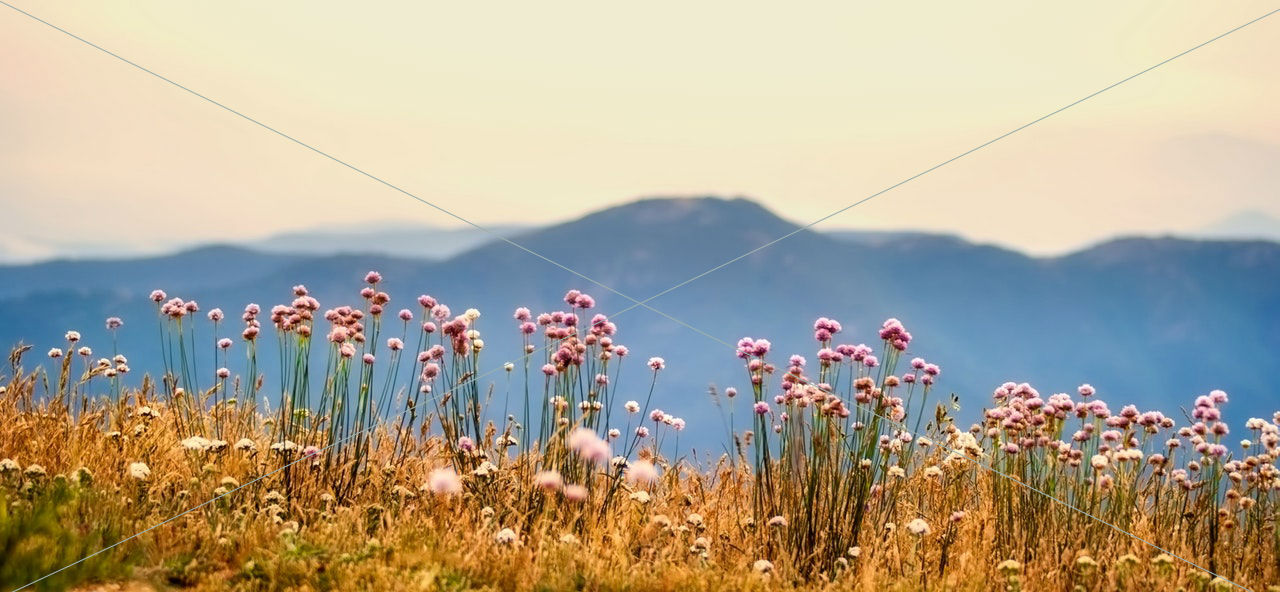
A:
x,y
537,112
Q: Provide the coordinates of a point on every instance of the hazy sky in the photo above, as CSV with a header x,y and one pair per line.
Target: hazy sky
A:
x,y
535,112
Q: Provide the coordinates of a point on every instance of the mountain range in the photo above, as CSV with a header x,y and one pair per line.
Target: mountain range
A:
x,y
1149,321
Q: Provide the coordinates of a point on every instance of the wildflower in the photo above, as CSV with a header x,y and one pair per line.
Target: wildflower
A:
x,y
762,566
588,445
642,471
896,471
195,444
695,520
1085,563
575,492
1009,567
568,539
548,480
245,444
34,471
700,546
55,353
485,469
139,471
777,522
1099,462
657,363
444,481
854,552
640,497
761,408
919,527
506,536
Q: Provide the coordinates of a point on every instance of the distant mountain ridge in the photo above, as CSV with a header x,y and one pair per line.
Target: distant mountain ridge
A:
x,y
1149,321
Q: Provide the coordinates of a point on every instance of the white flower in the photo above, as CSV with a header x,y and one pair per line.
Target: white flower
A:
x,y
632,407
1099,462
777,522
854,552
641,497
505,536
471,314
35,471
9,465
762,566
508,366
245,444
568,539
195,443
919,527
485,469
694,520
139,471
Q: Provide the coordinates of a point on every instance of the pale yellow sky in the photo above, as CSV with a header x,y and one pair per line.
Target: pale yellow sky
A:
x,y
535,112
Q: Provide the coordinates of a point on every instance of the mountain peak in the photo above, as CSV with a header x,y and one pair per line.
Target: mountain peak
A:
x,y
691,210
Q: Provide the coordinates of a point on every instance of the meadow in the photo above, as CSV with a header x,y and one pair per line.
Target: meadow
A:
x,y
383,454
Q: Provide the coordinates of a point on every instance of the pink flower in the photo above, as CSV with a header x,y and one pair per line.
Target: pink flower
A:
x,y
761,408
158,296
588,445
224,343
395,344
731,392
223,373
575,493
657,363
548,480
522,314
549,369
642,472
406,315
585,302
114,323
426,302
1086,390
444,482
372,277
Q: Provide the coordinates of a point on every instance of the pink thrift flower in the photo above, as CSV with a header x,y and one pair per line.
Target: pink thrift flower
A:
x,y
657,363
444,482
575,493
642,472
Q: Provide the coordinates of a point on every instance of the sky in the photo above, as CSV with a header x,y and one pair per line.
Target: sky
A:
x,y
537,112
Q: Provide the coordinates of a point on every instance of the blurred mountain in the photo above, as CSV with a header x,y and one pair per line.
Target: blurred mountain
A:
x,y
393,239
1152,321
1249,224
